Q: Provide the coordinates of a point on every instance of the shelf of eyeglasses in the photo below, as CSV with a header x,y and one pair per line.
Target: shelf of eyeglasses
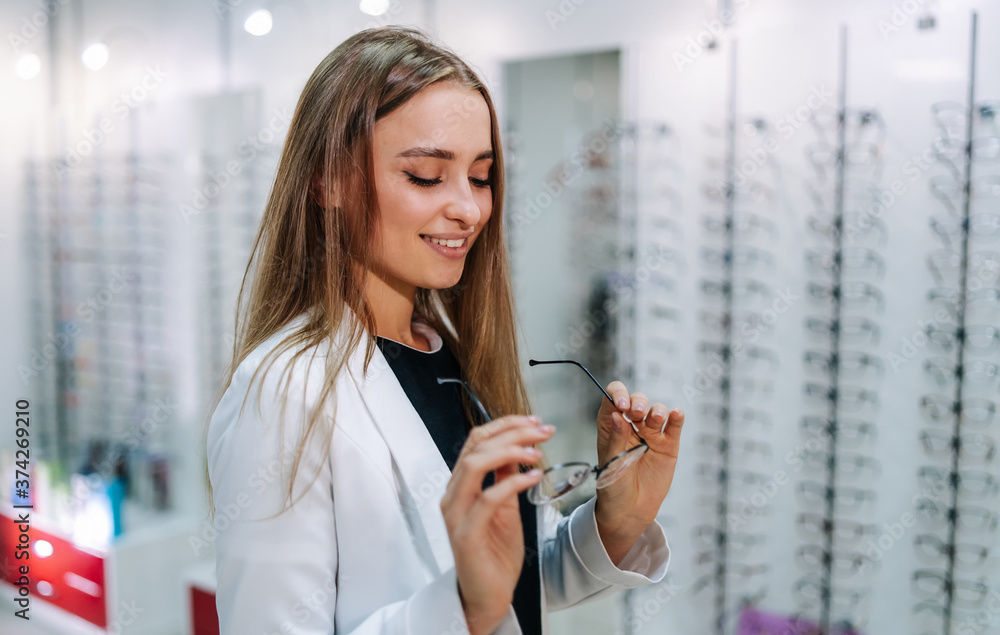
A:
x,y
850,467
739,355
976,375
983,229
746,226
857,194
971,484
849,399
708,536
747,323
848,263
864,230
854,296
983,268
931,585
951,119
984,192
974,519
743,480
746,258
928,617
952,153
736,575
746,388
845,565
745,290
851,433
847,500
978,413
740,419
849,364
848,606
738,448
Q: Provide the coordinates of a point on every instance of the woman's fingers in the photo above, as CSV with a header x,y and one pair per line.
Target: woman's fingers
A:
x,y
638,406
486,505
492,452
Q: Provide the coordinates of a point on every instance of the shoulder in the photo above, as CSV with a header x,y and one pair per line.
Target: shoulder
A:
x,y
271,395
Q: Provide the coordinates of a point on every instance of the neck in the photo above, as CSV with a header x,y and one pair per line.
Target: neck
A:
x,y
392,305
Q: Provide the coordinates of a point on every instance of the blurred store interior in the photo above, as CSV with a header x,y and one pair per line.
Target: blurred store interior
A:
x,y
782,216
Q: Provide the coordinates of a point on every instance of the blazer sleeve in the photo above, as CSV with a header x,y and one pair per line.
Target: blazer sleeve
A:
x,y
576,568
277,573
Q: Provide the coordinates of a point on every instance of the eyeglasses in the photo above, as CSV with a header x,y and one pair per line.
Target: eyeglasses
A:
x,y
853,364
944,370
746,417
971,484
974,447
814,558
853,294
981,338
935,551
983,226
942,409
848,398
946,265
851,433
933,584
853,259
744,257
814,526
970,517
847,498
853,330
559,480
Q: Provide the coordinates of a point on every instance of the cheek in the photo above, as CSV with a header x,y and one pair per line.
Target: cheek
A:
x,y
485,202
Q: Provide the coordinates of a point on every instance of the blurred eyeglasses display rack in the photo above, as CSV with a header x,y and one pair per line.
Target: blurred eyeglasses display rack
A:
x,y
958,521
845,270
731,383
100,368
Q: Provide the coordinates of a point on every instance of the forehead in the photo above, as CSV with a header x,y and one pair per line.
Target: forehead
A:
x,y
444,115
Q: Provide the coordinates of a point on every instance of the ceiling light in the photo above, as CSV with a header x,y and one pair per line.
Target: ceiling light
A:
x,y
374,7
95,56
28,66
259,22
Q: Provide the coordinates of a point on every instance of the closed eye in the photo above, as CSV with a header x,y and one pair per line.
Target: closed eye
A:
x,y
416,180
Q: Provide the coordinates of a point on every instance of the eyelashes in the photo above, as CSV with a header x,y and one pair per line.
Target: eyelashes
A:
x,y
419,182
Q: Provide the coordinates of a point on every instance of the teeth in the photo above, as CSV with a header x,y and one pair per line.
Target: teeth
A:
x,y
447,243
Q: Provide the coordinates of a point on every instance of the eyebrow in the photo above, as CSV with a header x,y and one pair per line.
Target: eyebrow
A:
x,y
440,153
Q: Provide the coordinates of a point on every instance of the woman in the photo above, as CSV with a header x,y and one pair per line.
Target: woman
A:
x,y
358,496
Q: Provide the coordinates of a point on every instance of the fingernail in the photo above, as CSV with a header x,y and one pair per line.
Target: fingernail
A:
x,y
623,403
640,405
535,419
658,412
548,427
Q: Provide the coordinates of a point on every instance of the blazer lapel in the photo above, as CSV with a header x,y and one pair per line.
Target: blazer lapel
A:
x,y
422,469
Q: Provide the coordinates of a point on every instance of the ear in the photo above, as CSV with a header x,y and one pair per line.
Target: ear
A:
x,y
318,190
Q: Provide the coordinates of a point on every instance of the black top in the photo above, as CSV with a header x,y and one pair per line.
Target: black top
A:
x,y
440,408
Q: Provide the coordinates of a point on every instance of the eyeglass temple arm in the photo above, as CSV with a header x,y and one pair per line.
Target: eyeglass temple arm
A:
x,y
533,362
472,395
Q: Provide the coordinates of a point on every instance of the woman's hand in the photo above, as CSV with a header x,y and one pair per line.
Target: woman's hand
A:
x,y
484,526
626,507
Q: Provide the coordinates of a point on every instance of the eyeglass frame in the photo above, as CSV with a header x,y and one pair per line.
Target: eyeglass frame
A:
x,y
594,470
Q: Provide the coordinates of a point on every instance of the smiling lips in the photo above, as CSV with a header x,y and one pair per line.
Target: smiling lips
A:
x,y
447,243
454,246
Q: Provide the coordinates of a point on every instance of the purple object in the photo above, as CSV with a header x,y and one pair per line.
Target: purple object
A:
x,y
754,622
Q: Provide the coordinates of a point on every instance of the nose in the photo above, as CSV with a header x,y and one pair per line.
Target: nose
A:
x,y
462,205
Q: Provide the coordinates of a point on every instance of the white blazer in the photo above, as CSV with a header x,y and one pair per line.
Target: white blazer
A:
x,y
366,549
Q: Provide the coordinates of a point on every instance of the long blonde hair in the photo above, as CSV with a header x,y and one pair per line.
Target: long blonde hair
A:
x,y
307,252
